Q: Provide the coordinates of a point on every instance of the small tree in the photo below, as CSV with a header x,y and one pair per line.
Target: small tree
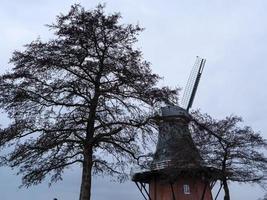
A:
x,y
82,97
238,152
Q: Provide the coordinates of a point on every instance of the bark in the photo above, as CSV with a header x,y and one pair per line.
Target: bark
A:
x,y
224,180
85,191
226,190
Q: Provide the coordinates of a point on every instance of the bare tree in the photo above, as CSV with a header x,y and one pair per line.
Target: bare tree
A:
x,y
83,97
237,151
264,198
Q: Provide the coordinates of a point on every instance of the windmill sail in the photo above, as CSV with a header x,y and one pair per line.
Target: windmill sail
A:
x,y
191,86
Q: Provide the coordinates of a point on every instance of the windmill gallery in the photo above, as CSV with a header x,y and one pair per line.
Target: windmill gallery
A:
x,y
177,170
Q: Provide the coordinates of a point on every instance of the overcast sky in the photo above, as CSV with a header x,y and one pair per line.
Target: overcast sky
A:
x,y
232,35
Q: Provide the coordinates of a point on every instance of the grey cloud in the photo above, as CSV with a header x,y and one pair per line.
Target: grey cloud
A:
x,y
230,34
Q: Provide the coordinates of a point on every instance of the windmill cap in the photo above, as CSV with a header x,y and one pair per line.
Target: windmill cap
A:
x,y
174,111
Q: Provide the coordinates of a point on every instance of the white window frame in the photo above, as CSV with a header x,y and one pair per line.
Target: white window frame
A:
x,y
186,189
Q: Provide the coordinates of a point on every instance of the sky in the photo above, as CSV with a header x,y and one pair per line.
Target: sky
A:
x,y
231,35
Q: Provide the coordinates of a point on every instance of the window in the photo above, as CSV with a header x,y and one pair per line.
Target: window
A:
x,y
186,189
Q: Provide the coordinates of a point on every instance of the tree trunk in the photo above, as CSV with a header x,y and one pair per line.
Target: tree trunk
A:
x,y
226,190
85,191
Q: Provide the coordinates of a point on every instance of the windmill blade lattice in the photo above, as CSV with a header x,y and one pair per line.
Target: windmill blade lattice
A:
x,y
192,83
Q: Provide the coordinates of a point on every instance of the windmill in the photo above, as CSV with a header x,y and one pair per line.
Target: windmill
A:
x,y
177,171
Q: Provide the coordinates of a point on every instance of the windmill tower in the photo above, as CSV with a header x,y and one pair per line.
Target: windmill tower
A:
x,y
177,171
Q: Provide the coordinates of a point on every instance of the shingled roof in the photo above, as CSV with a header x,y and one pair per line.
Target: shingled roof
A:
x,y
176,155
175,144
